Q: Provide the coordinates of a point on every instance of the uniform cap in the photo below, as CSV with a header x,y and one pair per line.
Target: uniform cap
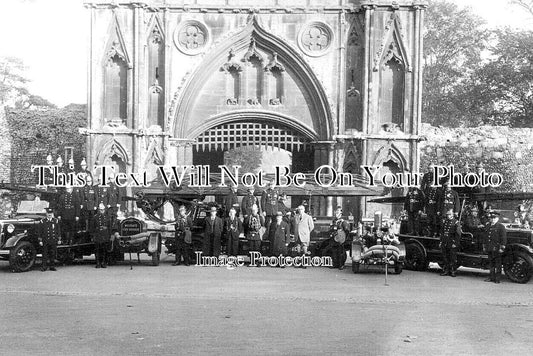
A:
x,y
213,208
49,210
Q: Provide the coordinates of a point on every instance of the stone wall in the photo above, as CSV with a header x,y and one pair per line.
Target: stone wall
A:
x,y
508,151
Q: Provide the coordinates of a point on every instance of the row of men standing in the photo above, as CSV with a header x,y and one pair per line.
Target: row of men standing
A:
x,y
268,212
92,208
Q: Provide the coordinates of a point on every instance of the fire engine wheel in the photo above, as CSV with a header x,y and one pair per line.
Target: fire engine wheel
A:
x,y
520,267
398,267
414,258
65,256
355,267
156,258
22,257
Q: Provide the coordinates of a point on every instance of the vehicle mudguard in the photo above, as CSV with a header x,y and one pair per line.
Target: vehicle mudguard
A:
x,y
418,243
357,249
518,247
153,243
14,240
402,252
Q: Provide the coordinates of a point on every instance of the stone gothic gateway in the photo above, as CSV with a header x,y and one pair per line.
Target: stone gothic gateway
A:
x,y
183,81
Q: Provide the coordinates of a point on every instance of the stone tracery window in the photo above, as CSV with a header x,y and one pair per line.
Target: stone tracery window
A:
x,y
391,94
156,79
116,89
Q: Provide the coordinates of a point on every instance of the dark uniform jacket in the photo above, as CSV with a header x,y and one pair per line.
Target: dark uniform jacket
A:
x,y
102,196
114,195
414,200
233,227
269,202
252,226
431,200
427,181
49,231
448,199
247,202
213,226
89,197
68,206
231,200
100,227
450,233
279,236
496,237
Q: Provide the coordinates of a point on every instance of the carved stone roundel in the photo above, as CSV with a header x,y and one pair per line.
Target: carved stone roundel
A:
x,y
191,37
315,38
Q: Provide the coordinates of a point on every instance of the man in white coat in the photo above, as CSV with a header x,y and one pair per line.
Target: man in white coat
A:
x,y
303,226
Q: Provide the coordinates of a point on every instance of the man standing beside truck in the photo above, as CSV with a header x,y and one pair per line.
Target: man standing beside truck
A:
x,y
49,236
495,245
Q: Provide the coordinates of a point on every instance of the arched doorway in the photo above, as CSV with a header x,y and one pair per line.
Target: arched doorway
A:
x,y
254,145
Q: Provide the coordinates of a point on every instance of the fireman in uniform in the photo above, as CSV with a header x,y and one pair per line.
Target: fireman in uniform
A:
x,y
414,204
427,180
248,201
450,237
49,236
269,204
338,230
88,199
183,237
231,200
446,199
252,228
101,234
431,209
114,199
68,212
496,239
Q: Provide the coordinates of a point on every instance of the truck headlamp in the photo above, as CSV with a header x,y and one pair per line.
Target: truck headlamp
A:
x,y
10,228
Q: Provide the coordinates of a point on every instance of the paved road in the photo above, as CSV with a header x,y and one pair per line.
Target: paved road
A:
x,y
169,310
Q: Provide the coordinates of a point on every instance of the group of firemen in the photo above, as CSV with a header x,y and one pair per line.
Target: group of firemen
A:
x,y
442,207
91,208
265,222
268,225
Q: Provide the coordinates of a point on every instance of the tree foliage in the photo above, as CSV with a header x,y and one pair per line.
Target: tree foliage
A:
x,y
474,75
12,80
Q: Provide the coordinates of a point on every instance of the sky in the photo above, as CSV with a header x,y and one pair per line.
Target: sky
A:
x,y
50,36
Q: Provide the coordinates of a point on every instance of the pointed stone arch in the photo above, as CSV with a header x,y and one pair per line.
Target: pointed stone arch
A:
x,y
393,45
116,46
155,24
154,153
254,33
110,148
389,152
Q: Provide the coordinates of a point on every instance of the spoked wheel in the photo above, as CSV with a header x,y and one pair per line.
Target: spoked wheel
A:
x,y
414,258
22,257
520,267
